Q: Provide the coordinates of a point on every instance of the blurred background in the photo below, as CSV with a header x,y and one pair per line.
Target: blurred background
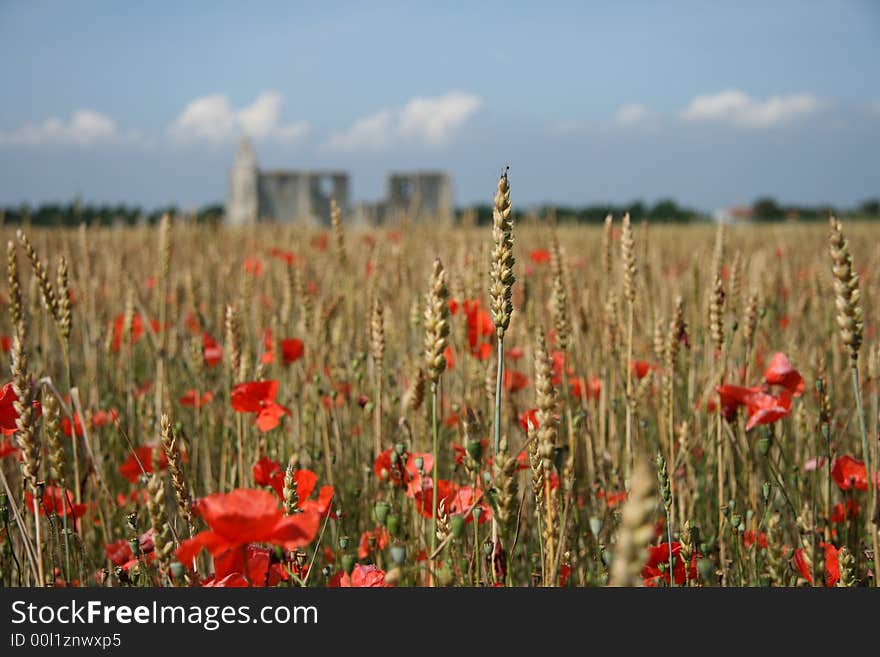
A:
x,y
674,110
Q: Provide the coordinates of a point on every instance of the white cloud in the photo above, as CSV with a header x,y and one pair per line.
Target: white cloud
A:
x,y
739,109
85,128
213,119
632,114
430,122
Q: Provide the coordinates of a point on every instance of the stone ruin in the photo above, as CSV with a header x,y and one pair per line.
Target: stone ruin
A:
x,y
304,196
281,196
418,195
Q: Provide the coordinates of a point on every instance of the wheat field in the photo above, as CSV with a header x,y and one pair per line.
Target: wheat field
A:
x,y
187,405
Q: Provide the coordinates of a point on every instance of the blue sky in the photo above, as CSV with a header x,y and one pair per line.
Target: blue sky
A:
x,y
710,103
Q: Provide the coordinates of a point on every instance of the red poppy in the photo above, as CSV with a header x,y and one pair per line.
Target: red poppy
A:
x,y
6,342
259,397
640,368
141,458
401,470
68,429
241,517
232,580
449,355
452,304
137,329
193,398
832,564
119,552
763,408
102,418
781,373
380,537
291,350
579,385
515,381
8,414
458,500
479,322
515,354
361,577
838,515
320,242
751,537
58,501
656,570
540,256
213,352
483,351
767,409
564,574
253,265
263,567
529,417
851,473
287,256
612,499
270,473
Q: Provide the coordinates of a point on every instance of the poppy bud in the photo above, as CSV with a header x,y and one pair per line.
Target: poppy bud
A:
x,y
135,546
400,448
394,457
477,513
325,571
363,400
381,511
736,520
348,563
343,542
606,557
706,569
595,525
419,463
177,570
368,407
393,525
762,312
765,490
764,444
398,554
456,523
475,450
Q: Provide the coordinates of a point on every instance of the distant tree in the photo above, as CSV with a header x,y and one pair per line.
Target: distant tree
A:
x,y
767,209
870,207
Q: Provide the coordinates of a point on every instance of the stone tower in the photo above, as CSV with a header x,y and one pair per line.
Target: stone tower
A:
x,y
242,204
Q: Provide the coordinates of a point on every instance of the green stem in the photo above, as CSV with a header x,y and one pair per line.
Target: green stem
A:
x,y
434,436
